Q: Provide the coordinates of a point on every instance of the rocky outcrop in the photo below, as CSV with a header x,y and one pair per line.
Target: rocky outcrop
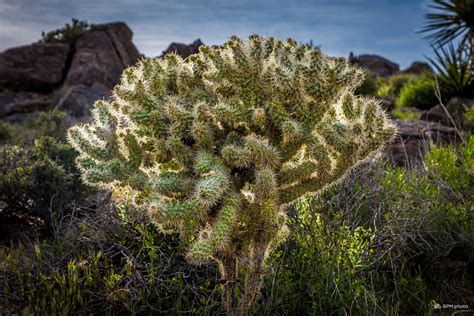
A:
x,y
439,115
417,68
101,55
22,102
414,138
375,64
37,68
77,101
83,70
183,50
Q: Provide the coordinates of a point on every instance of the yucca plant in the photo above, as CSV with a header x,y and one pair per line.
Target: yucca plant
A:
x,y
215,147
453,19
455,70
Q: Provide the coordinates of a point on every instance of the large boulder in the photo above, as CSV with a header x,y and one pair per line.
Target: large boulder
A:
x,y
69,75
39,67
101,55
375,64
438,114
22,102
414,139
78,100
183,50
451,115
417,68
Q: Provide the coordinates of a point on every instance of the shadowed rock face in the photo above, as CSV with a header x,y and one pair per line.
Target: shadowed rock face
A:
x,y
375,64
38,67
183,50
101,55
69,75
414,137
417,68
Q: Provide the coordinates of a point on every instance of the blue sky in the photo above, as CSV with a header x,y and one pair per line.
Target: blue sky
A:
x,y
384,27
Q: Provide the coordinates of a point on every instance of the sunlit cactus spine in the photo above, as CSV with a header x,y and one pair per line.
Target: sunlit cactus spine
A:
x,y
215,146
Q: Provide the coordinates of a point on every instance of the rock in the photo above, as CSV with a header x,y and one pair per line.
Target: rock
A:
x,y
456,103
86,69
79,99
22,102
101,55
413,140
38,67
375,64
417,67
437,114
183,50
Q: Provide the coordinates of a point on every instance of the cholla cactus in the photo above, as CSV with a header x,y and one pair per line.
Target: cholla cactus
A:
x,y
214,147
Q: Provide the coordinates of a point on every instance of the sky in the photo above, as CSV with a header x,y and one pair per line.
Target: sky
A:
x,y
384,27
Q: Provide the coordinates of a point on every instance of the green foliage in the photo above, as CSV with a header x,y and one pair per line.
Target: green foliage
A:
x,y
453,19
368,86
457,172
323,268
404,114
418,92
68,33
455,71
386,241
215,146
391,87
38,177
103,263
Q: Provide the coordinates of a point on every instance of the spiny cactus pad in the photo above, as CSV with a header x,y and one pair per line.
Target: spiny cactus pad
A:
x,y
214,146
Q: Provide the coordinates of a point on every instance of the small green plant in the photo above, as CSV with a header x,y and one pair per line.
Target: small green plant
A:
x,y
68,33
214,147
402,114
369,86
419,92
324,267
391,87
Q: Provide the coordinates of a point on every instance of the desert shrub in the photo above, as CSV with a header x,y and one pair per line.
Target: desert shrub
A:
x,y
391,87
68,33
368,86
405,114
105,262
323,269
216,145
6,132
385,241
38,176
427,231
418,92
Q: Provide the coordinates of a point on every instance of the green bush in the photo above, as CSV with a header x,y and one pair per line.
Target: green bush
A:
x,y
418,92
323,269
68,33
384,241
105,262
368,86
38,176
391,87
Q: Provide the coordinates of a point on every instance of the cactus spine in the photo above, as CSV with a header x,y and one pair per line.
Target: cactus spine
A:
x,y
214,147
